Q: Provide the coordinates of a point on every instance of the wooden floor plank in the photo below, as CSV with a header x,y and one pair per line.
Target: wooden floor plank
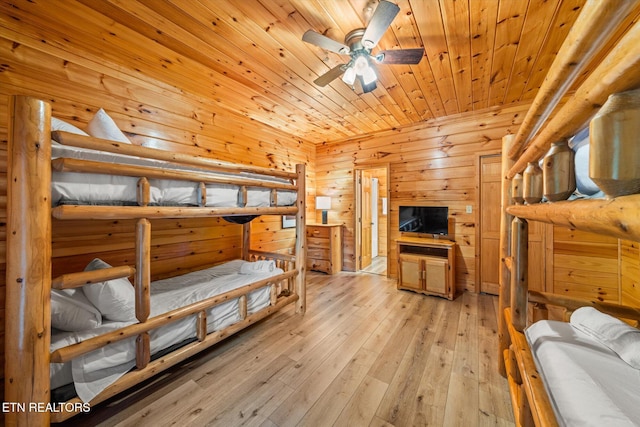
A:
x,y
364,354
334,399
462,401
320,347
391,355
400,401
494,400
320,378
432,393
168,409
362,406
252,402
465,361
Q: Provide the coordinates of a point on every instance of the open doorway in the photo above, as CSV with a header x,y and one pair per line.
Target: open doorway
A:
x,y
372,213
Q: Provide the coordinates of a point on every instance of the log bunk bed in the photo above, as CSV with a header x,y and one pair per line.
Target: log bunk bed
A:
x,y
29,355
523,313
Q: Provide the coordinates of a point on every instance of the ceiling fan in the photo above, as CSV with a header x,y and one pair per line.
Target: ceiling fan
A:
x,y
358,45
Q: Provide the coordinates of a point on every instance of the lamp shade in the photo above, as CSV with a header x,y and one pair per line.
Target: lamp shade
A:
x,y
349,76
323,202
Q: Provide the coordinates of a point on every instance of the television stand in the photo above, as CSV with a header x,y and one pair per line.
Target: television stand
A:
x,y
427,265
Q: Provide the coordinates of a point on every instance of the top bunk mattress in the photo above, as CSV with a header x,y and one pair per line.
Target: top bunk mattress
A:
x,y
588,384
102,189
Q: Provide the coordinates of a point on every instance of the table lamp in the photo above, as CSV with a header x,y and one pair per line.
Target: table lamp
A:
x,y
323,203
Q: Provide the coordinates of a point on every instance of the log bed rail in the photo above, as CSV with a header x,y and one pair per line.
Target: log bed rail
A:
x,y
29,278
618,217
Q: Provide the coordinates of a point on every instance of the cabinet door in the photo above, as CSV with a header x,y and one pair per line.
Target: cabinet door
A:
x,y
436,275
410,272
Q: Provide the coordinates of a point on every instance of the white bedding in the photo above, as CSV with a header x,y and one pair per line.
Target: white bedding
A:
x,y
94,371
70,187
588,384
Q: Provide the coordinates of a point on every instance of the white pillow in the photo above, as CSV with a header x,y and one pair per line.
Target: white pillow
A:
x,y
258,267
115,298
72,311
103,126
610,331
57,124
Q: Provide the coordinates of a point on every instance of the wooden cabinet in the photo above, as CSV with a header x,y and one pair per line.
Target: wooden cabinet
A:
x,y
427,266
324,247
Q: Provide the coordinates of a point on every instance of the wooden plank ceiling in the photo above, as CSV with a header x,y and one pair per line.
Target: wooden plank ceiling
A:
x,y
247,56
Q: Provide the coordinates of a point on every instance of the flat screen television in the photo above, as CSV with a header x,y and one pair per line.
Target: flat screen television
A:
x,y
424,219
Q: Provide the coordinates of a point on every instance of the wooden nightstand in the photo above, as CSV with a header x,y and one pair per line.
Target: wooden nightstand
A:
x,y
324,247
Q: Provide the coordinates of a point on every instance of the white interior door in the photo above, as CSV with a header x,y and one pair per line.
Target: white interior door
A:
x,y
374,218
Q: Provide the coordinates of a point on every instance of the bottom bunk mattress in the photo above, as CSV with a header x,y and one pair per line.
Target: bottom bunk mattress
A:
x,y
588,383
93,372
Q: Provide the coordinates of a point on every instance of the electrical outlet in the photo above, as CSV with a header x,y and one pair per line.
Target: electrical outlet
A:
x,y
469,209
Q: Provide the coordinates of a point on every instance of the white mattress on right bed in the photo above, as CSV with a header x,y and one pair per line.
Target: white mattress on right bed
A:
x,y
588,384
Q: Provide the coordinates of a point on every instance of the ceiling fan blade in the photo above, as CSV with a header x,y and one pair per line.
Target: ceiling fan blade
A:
x,y
380,21
400,56
330,75
325,42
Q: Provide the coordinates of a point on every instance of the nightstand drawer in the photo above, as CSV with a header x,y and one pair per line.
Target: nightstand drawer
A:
x,y
322,232
317,253
317,242
319,265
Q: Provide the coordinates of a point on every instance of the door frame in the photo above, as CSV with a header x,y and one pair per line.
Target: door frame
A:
x,y
357,184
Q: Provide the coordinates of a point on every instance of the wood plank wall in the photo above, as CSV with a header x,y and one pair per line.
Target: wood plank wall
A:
x,y
585,265
436,163
155,114
630,273
432,163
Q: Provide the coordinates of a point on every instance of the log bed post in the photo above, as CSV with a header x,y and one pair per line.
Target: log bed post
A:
x,y
505,237
28,277
143,289
246,241
143,269
301,237
519,272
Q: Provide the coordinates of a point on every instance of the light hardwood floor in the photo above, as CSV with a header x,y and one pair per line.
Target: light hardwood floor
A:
x,y
364,354
378,266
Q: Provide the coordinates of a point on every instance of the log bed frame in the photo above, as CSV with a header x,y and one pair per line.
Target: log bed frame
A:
x,y
598,22
29,281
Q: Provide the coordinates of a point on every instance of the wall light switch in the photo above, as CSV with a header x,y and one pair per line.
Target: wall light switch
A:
x,y
469,209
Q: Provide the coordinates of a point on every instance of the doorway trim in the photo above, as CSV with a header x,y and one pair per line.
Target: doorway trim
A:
x,y
357,184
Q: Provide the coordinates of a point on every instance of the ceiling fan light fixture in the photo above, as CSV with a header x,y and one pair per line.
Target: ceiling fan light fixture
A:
x,y
349,76
367,87
361,65
369,76
368,44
